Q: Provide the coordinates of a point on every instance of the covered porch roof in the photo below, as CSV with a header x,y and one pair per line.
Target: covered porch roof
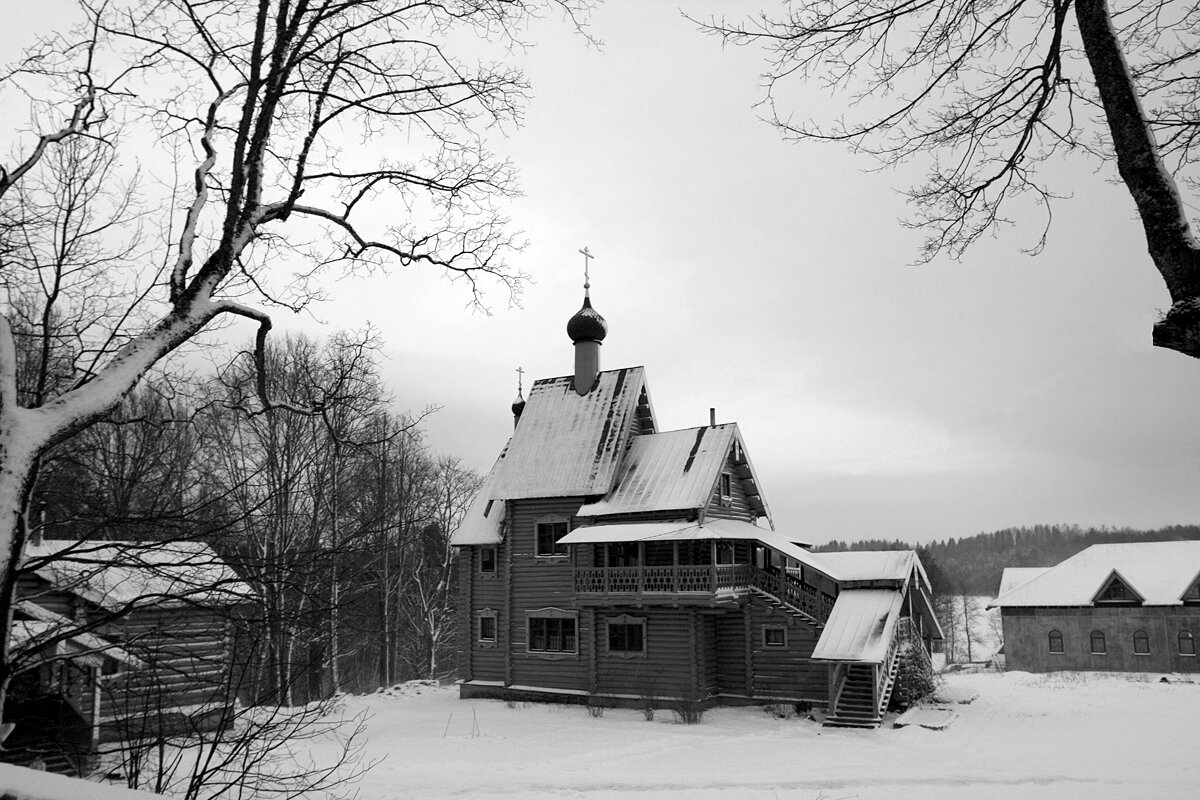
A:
x,y
860,627
691,531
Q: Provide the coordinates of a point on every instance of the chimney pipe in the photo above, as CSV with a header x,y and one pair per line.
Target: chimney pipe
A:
x,y
712,418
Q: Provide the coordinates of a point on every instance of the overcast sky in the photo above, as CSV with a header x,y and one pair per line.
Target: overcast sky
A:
x,y
772,281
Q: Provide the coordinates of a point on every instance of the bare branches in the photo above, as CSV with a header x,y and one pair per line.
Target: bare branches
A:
x,y
984,92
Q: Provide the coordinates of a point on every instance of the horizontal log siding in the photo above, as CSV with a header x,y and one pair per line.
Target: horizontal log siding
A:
x,y
664,670
37,590
187,653
487,591
786,672
1026,638
740,507
540,582
709,681
731,653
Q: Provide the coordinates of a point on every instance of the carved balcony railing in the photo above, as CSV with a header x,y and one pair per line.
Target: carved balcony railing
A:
x,y
727,580
671,580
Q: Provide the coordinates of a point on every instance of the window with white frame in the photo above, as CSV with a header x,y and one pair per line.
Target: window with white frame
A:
x,y
485,626
552,631
1141,643
1187,644
774,635
1099,645
549,531
627,635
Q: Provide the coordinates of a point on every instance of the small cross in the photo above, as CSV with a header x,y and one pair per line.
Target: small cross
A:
x,y
520,376
587,259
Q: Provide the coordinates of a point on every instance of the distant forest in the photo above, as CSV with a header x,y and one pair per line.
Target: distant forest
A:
x,y
973,564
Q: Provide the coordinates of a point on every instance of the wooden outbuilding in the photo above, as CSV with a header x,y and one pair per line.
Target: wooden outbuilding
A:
x,y
118,642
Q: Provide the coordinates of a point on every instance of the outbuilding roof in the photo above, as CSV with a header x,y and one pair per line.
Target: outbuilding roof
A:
x,y
568,444
1160,572
116,575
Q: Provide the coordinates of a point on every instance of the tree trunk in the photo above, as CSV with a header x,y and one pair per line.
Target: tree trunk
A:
x,y
1173,248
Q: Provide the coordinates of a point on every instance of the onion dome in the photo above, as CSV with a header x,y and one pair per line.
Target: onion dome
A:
x,y
587,324
518,405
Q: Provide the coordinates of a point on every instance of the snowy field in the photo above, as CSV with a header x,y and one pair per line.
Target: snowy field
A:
x,y
1088,737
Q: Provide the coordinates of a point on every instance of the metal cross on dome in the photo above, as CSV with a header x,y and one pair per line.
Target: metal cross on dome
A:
x,y
587,259
520,379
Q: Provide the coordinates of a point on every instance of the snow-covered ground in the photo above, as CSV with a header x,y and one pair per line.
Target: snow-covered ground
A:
x,y
1072,736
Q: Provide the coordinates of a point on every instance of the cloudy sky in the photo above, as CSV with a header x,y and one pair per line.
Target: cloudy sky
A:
x,y
773,282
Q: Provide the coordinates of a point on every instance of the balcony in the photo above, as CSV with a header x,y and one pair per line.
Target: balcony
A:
x,y
706,584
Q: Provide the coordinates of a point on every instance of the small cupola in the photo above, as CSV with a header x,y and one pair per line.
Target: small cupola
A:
x,y
518,405
587,330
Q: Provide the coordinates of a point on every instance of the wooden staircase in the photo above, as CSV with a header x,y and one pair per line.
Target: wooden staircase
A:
x,y
854,703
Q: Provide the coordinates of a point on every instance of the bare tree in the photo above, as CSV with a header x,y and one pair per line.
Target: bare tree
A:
x,y
270,99
988,90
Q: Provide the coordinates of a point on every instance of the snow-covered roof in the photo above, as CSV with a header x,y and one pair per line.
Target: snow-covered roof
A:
x,y
860,626
872,565
1012,577
482,524
115,575
1161,572
668,471
709,529
567,444
45,626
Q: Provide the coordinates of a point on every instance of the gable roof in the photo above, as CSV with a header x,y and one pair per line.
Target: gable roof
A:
x,y
1012,577
670,471
1161,572
115,575
872,565
567,444
1115,577
484,520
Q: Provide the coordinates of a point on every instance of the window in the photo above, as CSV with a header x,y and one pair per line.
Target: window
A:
x,y
1056,642
774,636
548,534
627,635
485,627
726,489
1099,646
487,560
552,631
1141,643
725,552
1187,644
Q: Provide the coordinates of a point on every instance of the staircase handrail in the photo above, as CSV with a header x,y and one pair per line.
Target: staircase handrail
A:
x,y
797,596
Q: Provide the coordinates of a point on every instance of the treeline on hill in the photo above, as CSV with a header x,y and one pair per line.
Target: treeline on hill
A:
x,y
973,564
338,521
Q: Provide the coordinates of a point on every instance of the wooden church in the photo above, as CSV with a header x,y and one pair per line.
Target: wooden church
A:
x,y
608,561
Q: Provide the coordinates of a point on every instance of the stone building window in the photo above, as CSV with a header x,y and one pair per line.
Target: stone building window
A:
x,y
1187,644
1099,645
1056,641
1141,643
